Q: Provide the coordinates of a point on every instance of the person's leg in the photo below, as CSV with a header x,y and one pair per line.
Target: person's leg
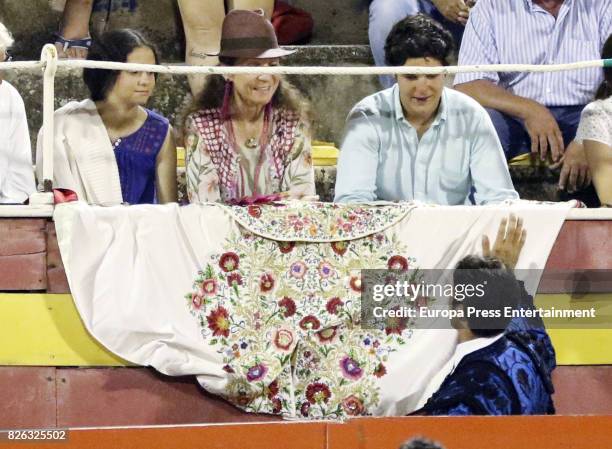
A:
x,y
456,29
568,118
202,21
75,26
383,15
266,5
513,136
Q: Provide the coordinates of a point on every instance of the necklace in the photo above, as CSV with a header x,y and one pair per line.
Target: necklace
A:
x,y
251,143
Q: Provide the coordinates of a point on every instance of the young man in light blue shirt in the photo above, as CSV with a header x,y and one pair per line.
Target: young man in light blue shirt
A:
x,y
419,140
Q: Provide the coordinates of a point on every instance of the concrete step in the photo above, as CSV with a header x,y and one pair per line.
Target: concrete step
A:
x,y
32,23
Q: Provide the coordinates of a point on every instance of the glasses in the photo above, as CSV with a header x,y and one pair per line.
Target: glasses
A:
x,y
7,57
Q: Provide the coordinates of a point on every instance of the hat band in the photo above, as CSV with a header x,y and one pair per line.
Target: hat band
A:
x,y
248,43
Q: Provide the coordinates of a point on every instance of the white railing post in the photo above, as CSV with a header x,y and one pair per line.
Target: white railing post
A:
x,y
49,58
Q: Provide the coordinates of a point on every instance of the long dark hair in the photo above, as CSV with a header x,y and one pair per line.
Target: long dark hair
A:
x,y
605,89
287,96
115,45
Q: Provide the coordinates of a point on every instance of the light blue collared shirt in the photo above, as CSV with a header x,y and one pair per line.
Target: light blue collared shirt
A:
x,y
382,158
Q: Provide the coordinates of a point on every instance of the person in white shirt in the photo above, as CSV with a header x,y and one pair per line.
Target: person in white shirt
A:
x,y
16,173
595,133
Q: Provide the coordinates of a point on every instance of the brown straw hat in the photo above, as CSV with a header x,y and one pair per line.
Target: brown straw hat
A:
x,y
248,34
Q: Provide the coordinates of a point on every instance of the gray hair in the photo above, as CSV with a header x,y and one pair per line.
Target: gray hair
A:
x,y
6,40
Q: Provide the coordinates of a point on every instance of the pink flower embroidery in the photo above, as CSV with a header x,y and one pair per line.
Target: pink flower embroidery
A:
x,y
350,368
209,287
298,269
310,322
196,300
283,339
266,282
353,406
325,270
234,279
333,305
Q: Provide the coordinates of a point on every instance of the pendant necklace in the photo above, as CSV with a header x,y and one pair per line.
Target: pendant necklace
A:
x,y
251,143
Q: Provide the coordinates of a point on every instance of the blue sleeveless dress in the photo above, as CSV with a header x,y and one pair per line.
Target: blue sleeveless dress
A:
x,y
136,155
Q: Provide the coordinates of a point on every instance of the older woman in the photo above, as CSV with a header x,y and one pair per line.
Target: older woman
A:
x,y
595,132
110,149
16,174
250,134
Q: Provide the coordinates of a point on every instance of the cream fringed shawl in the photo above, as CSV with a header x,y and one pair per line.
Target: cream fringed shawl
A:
x,y
83,158
263,303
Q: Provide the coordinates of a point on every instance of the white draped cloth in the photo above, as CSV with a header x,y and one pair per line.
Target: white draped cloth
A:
x,y
262,303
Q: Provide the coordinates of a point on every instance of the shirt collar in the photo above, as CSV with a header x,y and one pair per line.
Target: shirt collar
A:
x,y
530,4
467,347
399,112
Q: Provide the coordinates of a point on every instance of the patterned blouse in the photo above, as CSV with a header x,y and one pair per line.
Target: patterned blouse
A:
x,y
218,171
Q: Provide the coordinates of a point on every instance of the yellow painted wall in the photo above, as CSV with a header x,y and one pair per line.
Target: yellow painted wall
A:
x,y
45,329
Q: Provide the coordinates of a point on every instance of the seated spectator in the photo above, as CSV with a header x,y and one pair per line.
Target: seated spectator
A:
x,y
110,149
250,135
203,30
452,14
16,173
537,112
595,133
419,140
501,366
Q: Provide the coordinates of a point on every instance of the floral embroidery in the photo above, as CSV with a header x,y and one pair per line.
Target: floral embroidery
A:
x,y
218,322
285,319
324,222
353,406
229,262
310,322
397,263
266,282
318,392
350,368
256,372
333,305
288,306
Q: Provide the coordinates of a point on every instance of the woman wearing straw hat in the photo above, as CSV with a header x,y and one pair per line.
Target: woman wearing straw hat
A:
x,y
249,135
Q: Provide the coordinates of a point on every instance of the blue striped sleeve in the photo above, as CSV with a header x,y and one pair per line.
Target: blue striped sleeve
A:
x,y
478,44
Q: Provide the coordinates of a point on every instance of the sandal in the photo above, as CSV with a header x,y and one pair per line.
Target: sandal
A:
x,y
84,43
